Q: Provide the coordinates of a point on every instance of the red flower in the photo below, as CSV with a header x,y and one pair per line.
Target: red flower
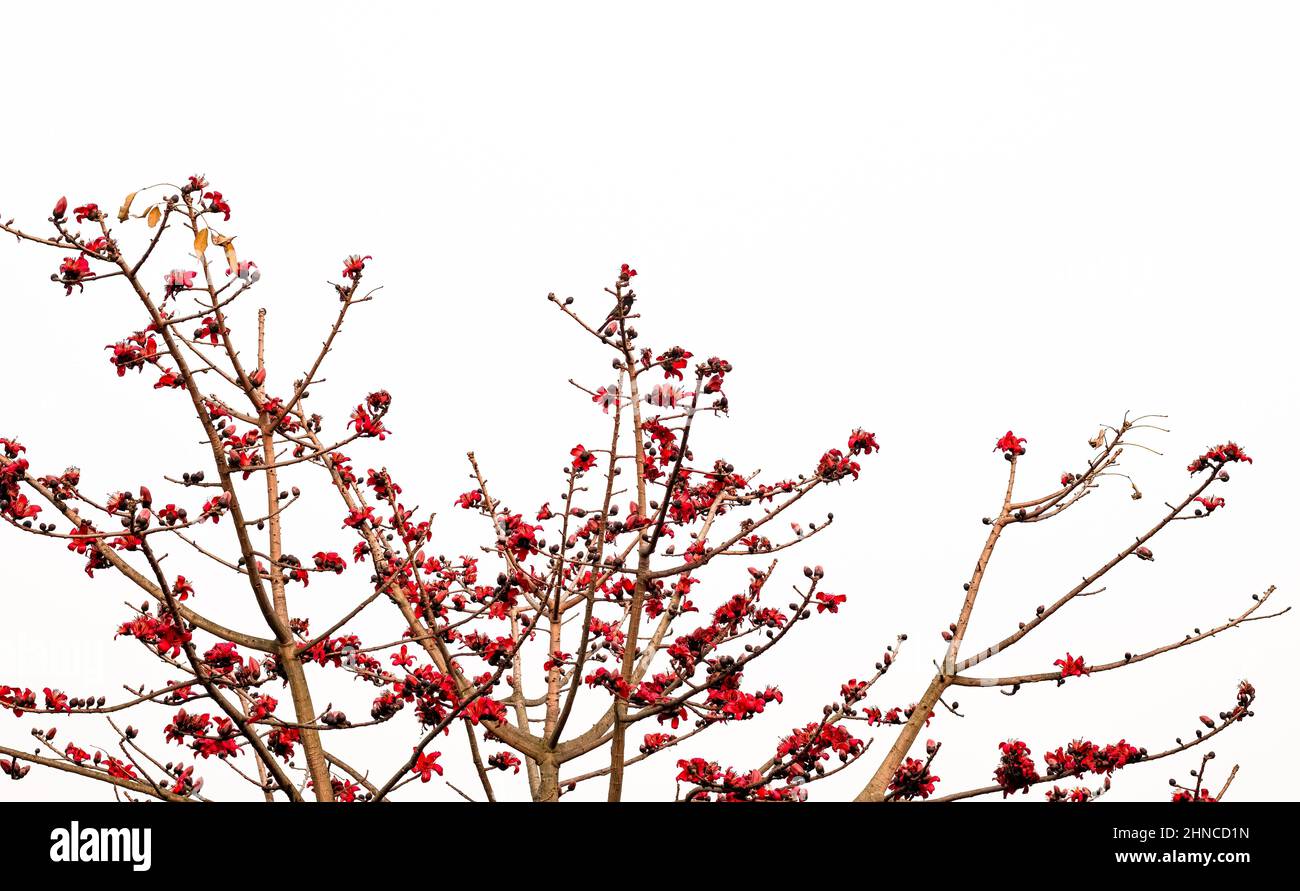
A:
x,y
625,272
1016,769
833,466
1115,756
359,517
583,460
1010,444
182,588
427,765
1072,666
861,441
60,208
1187,795
263,706
74,271
329,562
1210,504
603,677
367,424
830,602
484,709
56,700
653,742
354,265
673,362
281,741
913,780
699,771
19,508
217,203
504,761
521,538
1220,454
85,212
120,769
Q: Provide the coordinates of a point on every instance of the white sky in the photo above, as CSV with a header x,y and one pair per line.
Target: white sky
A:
x,y
937,221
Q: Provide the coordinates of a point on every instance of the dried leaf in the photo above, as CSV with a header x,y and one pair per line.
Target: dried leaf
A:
x,y
231,260
201,242
154,216
125,210
221,240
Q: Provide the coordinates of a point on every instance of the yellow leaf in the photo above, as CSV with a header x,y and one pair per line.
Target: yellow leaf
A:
x,y
154,216
201,242
125,211
231,260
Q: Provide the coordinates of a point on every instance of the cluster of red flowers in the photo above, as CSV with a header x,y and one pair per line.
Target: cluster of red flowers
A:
x,y
221,742
834,466
1015,769
913,780
1082,756
1220,455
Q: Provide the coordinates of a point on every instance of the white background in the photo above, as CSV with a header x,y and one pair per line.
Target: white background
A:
x,y
934,220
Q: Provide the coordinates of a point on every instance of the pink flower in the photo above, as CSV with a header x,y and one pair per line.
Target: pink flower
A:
x,y
178,280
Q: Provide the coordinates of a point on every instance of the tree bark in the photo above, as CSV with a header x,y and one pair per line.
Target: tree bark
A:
x,y
879,785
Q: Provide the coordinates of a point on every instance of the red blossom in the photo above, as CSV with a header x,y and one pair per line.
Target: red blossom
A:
x,y
484,709
426,765
860,442
217,204
1016,769
1011,445
1072,666
913,780
354,265
504,761
1210,504
73,271
1221,454
583,460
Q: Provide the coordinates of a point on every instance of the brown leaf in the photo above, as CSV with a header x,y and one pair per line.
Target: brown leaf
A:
x,y
221,240
231,260
154,216
125,210
201,242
